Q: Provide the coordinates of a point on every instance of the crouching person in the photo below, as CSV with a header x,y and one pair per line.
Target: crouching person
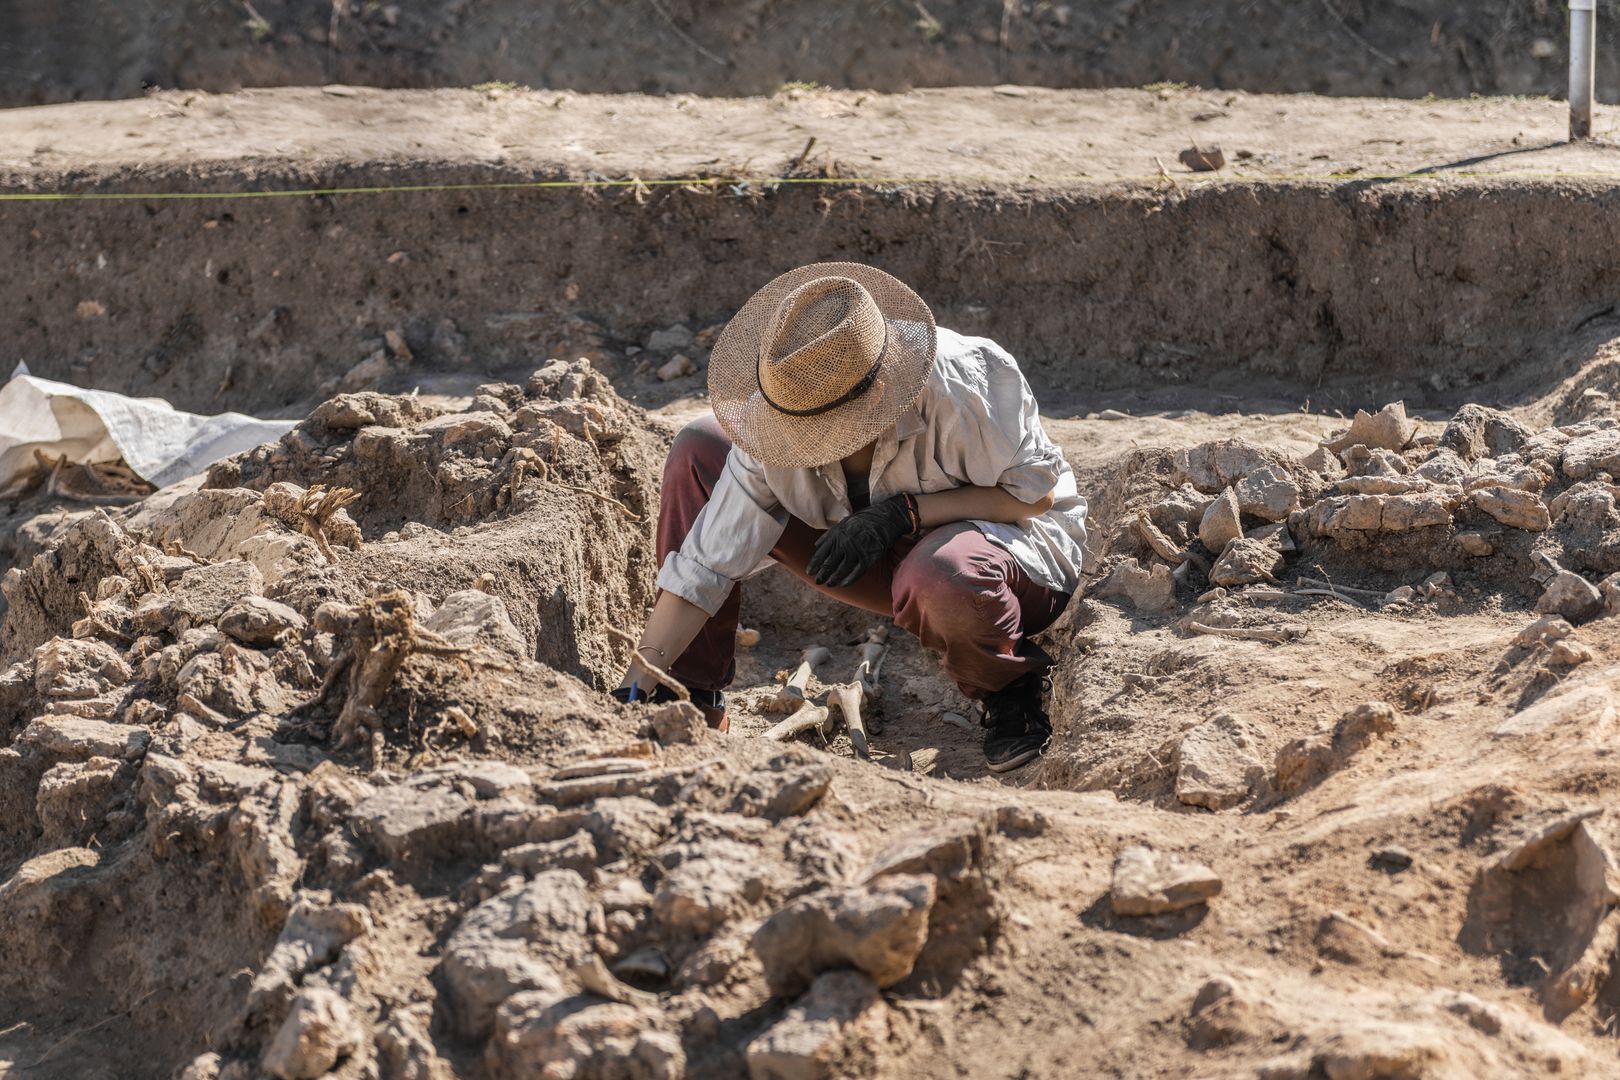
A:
x,y
892,464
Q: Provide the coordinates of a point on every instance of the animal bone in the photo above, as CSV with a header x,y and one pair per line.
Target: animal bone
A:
x,y
848,697
791,696
809,716
1275,634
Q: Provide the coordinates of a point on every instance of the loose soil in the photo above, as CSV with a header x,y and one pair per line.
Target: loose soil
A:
x,y
101,49
293,792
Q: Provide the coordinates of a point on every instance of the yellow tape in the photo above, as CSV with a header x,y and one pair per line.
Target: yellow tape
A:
x,y
741,184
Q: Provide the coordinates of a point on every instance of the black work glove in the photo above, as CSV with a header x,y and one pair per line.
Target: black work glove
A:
x,y
849,548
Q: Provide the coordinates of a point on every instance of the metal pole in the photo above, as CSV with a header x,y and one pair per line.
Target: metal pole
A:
x,y
1582,51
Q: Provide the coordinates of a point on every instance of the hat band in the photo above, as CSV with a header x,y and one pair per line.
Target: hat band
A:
x,y
845,398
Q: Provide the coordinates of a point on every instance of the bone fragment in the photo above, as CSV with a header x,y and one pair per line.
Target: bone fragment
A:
x,y
809,717
848,698
1275,634
791,696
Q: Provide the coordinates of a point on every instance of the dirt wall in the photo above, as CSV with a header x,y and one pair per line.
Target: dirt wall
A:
x,y
86,49
1367,288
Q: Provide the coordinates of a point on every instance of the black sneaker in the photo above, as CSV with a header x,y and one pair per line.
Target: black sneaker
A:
x,y
1019,728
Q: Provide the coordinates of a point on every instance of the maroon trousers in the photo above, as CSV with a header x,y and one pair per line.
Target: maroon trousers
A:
x,y
959,593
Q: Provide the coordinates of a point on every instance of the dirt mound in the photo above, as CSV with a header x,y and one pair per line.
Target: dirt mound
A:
x,y
303,776
97,49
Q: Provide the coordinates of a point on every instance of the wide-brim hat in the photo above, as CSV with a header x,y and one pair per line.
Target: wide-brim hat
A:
x,y
819,363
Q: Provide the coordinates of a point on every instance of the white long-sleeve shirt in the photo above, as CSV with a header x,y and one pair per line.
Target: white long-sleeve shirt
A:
x,y
975,423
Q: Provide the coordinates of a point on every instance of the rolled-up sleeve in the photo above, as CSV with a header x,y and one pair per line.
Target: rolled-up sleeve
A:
x,y
1001,441
731,536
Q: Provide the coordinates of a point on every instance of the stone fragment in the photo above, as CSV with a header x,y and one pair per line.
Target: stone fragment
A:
x,y
671,339
816,1036
677,367
1324,462
74,798
1594,453
879,928
1216,765
78,738
677,723
1387,429
523,938
1570,595
1479,431
1475,544
470,431
540,1035
1150,590
312,937
207,592
1362,462
319,1031
1246,562
1512,507
1211,466
258,622
68,668
1148,882
1220,524
1590,709
701,893
1570,654
407,823
1393,858
471,617
1268,493
1443,467
405,1049
1610,588
1544,631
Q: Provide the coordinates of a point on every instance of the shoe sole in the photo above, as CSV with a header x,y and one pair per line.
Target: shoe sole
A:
x,y
1016,761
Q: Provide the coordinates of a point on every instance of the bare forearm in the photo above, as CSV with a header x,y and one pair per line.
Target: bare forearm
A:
x,y
977,504
673,624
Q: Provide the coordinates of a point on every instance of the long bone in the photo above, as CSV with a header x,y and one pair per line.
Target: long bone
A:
x,y
791,696
849,697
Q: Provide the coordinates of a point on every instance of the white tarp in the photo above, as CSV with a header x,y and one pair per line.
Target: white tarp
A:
x,y
158,441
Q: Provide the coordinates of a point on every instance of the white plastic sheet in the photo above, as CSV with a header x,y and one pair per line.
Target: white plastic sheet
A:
x,y
159,442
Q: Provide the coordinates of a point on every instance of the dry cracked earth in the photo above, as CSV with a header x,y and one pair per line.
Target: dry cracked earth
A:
x,y
305,773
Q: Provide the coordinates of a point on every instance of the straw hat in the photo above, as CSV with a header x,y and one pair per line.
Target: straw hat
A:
x,y
819,363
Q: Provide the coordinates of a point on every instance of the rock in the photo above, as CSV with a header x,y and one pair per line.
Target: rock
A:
x,y
1216,764
1362,462
1443,467
470,617
1512,507
1268,493
1571,596
1220,524
1357,727
1148,882
1570,654
816,1036
670,339
78,738
1591,709
1544,631
1475,544
74,798
1345,514
1387,429
1478,431
1610,588
405,1049
523,938
1149,591
1593,453
475,432
702,893
1246,562
408,823
677,723
320,1030
1211,466
68,668
577,853
314,934
1202,158
647,964
207,592
1324,462
258,622
879,928
787,787
1393,858
675,368
539,1035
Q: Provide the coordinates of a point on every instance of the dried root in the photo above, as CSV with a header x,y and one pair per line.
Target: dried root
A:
x,y
315,510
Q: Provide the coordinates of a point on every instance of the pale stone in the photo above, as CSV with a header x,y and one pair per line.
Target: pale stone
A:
x,y
1148,882
1221,523
1217,765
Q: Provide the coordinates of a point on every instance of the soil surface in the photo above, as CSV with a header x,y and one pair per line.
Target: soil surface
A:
x,y
105,49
